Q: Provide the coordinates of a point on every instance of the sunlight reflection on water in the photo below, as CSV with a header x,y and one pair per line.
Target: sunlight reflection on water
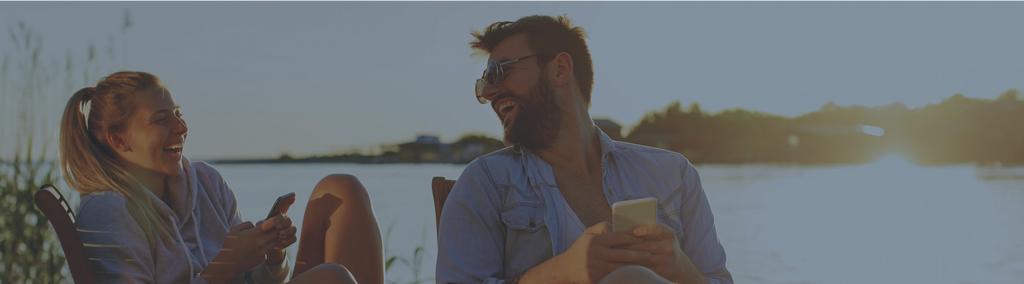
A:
x,y
889,221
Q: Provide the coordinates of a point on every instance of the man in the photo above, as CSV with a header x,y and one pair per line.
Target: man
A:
x,y
538,212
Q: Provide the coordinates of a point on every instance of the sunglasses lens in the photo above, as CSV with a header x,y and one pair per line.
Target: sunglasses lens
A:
x,y
480,83
491,74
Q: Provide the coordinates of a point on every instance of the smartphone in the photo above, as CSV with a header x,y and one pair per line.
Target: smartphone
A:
x,y
282,204
629,214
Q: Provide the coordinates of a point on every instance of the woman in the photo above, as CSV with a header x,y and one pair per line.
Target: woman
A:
x,y
149,215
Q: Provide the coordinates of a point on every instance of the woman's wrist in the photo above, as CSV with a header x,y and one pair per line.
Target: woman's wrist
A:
x,y
275,258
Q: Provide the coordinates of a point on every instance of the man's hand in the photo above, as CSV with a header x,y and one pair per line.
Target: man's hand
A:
x,y
282,224
594,254
667,258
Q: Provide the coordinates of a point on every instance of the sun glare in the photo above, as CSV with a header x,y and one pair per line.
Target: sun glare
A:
x,y
872,130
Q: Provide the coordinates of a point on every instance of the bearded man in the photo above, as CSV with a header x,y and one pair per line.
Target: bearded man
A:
x,y
539,211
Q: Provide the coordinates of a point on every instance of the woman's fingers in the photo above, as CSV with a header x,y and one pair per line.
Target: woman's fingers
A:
x,y
285,222
270,223
290,232
243,226
284,243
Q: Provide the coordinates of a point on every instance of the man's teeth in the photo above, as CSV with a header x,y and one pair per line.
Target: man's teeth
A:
x,y
175,147
507,105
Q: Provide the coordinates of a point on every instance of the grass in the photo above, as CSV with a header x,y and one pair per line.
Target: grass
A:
x,y
414,264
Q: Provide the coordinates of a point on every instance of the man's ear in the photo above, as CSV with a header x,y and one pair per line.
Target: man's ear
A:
x,y
118,141
563,69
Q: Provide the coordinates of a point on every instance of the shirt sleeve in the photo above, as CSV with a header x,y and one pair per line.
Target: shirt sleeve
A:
x,y
699,240
471,239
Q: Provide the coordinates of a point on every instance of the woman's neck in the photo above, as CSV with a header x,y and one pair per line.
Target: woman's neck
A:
x,y
153,181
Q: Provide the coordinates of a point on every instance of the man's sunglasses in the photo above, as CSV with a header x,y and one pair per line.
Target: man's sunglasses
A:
x,y
494,75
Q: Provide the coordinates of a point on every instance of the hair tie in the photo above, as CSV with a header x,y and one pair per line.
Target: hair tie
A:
x,y
86,106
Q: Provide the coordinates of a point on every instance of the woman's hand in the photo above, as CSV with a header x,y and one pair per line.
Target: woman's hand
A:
x,y
282,224
245,247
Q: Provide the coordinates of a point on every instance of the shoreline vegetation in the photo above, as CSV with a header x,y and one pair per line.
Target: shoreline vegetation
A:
x,y
955,131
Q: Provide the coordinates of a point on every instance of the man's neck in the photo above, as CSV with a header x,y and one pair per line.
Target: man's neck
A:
x,y
577,147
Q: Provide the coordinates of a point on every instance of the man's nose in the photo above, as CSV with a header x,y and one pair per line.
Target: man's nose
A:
x,y
490,91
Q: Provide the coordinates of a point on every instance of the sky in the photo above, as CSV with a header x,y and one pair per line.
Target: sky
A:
x,y
257,79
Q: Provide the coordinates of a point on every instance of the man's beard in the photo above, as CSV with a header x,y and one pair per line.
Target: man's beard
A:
x,y
538,118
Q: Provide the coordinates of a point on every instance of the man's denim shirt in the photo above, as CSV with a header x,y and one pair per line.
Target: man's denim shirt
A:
x,y
495,224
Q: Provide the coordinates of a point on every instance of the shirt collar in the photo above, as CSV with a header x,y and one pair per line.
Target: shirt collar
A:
x,y
607,147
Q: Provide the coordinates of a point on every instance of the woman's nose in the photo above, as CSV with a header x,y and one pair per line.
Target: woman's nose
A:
x,y
182,127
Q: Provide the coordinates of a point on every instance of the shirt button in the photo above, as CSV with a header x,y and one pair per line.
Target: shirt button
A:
x,y
610,192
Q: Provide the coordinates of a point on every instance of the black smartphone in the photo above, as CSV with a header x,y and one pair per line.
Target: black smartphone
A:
x,y
282,204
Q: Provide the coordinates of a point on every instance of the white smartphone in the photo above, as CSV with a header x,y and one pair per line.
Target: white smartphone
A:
x,y
629,214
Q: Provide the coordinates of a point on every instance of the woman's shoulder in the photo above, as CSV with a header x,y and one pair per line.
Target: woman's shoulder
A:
x,y
206,172
105,211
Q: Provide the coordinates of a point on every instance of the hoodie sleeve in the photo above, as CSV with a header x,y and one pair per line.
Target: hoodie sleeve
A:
x,y
262,273
119,250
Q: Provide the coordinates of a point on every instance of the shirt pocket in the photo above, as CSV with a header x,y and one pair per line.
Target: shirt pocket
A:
x,y
668,213
524,216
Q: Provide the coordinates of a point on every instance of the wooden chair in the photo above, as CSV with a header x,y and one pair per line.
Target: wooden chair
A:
x,y
441,188
61,216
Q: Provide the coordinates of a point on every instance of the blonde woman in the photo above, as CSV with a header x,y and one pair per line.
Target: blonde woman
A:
x,y
149,215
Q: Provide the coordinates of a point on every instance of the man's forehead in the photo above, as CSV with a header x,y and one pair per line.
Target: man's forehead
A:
x,y
510,48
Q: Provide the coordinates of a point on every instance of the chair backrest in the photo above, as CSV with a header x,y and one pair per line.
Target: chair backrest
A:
x,y
441,187
58,211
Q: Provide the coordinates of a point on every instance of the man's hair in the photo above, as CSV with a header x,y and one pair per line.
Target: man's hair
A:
x,y
547,36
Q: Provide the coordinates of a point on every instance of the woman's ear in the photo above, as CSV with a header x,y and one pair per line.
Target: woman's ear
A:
x,y
118,142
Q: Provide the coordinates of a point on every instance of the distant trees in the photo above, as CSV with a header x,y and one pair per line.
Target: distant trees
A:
x,y
957,130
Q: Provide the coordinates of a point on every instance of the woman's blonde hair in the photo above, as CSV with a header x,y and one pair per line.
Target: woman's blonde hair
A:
x,y
88,162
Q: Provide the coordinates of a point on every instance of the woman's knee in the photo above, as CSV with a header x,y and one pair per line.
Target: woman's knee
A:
x,y
343,186
324,273
633,274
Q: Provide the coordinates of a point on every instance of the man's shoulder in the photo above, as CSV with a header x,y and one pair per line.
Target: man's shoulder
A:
x,y
498,160
645,152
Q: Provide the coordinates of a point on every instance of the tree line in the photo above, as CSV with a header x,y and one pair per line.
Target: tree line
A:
x,y
957,130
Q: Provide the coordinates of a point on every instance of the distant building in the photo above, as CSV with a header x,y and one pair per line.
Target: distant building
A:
x,y
429,149
426,149
610,127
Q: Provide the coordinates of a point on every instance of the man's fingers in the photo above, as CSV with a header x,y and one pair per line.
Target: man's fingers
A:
x,y
622,255
599,228
657,230
615,239
654,247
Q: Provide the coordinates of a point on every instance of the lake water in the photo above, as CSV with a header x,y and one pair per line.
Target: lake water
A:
x,y
886,222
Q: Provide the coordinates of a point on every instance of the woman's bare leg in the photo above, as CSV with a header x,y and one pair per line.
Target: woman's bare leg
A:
x,y
339,227
325,273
